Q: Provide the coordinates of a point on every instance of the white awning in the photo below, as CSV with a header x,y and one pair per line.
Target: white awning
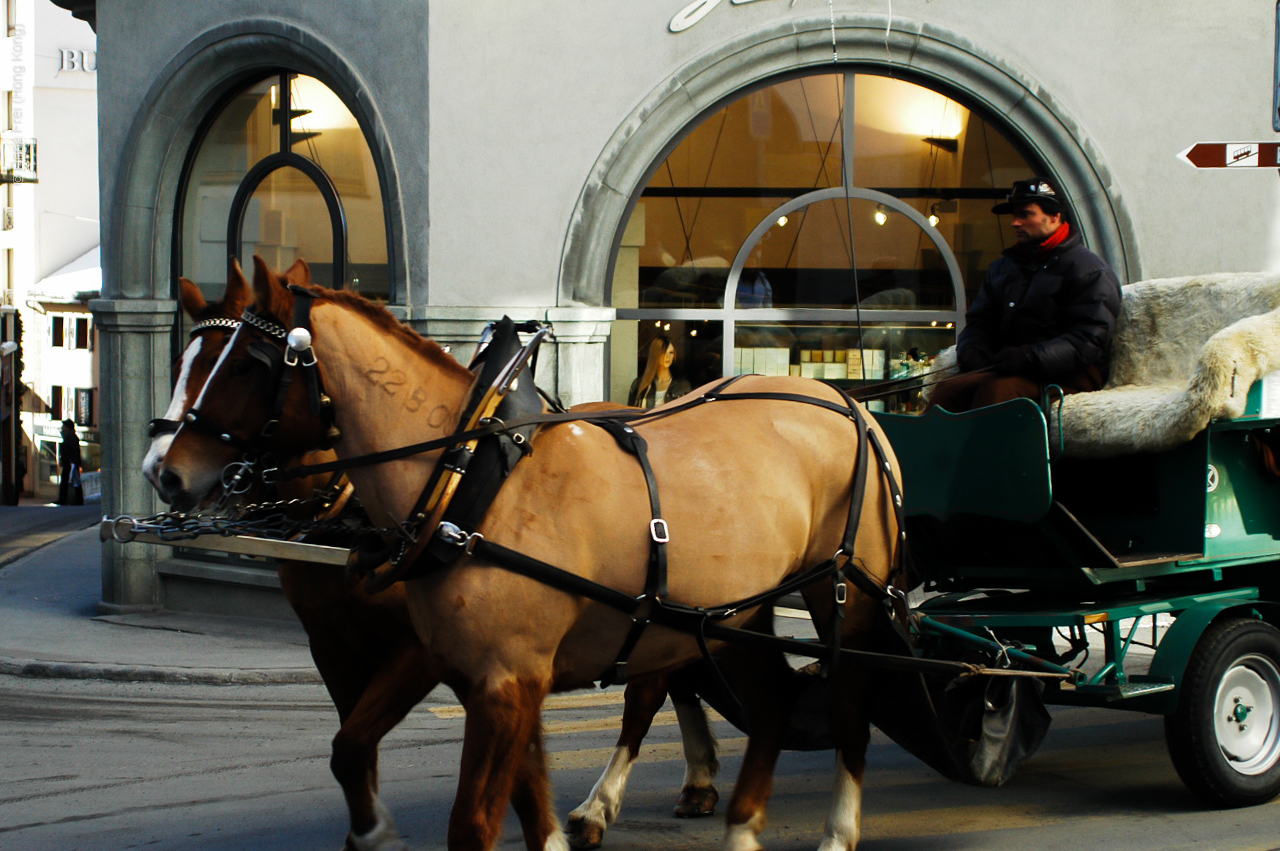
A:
x,y
84,274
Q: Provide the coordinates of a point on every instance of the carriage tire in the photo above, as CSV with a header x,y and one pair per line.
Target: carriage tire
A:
x,y
1224,738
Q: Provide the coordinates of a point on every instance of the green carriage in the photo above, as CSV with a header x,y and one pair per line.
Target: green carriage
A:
x,y
1176,550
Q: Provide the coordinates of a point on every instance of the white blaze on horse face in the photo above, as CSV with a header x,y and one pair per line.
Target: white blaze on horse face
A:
x,y
222,357
846,811
177,407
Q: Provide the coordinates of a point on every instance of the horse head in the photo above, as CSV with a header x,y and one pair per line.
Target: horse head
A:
x,y
188,452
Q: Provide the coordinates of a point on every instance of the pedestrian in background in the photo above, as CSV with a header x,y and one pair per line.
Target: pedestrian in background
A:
x,y
70,490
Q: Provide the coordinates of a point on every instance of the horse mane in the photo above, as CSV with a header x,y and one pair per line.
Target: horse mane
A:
x,y
380,317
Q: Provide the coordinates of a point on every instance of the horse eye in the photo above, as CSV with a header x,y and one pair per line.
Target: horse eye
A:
x,y
240,368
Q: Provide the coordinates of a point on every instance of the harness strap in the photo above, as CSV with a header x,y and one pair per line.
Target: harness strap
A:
x,y
495,427
655,590
686,618
659,533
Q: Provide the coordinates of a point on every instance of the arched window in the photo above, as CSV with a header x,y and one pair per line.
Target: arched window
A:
x,y
833,226
283,170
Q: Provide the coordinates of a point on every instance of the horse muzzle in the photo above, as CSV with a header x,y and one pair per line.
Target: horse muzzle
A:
x,y
182,491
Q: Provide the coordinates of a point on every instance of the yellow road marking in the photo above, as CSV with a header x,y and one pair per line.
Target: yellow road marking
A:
x,y
949,820
575,700
595,758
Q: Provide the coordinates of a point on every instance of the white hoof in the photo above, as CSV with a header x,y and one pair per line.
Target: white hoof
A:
x,y
383,836
742,837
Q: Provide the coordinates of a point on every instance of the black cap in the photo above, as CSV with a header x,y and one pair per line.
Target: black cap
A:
x,y
1037,190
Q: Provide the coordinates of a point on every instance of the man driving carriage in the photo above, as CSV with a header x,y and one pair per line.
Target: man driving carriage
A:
x,y
1045,314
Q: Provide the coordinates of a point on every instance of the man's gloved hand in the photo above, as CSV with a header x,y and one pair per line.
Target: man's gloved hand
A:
x,y
973,356
1015,360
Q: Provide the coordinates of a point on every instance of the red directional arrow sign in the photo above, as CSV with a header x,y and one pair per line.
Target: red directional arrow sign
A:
x,y
1233,155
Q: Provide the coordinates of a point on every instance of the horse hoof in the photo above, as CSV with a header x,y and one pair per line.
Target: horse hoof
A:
x,y
697,802
584,835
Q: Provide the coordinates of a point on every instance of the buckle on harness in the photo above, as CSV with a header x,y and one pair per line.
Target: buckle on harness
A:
x,y
659,531
451,533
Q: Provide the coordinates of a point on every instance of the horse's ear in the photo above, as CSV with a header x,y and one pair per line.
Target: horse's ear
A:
x,y
268,289
299,273
190,297
237,296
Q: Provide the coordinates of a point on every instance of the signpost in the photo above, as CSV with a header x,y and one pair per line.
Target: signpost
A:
x,y
1232,155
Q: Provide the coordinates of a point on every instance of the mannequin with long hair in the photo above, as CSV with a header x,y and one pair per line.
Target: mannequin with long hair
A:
x,y
657,384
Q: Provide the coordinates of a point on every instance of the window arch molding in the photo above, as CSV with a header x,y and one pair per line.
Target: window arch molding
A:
x,y
174,113
931,55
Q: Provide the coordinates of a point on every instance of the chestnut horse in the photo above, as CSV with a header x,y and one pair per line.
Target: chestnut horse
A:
x,y
756,490
364,645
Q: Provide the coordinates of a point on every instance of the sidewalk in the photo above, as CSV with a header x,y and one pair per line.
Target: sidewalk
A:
x,y
50,586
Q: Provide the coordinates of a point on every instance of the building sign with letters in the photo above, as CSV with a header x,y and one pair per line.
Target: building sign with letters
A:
x,y
73,59
699,9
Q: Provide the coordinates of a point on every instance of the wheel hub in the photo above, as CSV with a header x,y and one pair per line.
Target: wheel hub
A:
x,y
1246,722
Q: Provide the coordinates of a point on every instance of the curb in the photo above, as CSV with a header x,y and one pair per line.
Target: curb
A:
x,y
32,668
10,558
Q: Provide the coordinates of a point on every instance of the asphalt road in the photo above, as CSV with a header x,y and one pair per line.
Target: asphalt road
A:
x,y
98,765
24,528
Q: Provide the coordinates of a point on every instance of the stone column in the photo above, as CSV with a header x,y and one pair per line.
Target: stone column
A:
x,y
134,356
582,336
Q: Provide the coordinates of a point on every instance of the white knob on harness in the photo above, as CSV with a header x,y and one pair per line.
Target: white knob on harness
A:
x,y
299,339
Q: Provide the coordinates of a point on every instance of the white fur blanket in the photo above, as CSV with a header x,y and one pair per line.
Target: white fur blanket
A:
x,y
1186,351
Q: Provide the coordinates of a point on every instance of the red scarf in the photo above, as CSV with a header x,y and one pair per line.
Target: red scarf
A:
x,y
1059,236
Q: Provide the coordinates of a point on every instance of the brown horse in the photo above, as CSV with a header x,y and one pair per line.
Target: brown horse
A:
x,y
503,641
363,645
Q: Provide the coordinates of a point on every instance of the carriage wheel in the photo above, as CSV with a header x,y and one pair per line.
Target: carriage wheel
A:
x,y
1224,737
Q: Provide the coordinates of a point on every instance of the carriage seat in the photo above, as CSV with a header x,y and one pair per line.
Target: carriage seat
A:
x,y
1185,352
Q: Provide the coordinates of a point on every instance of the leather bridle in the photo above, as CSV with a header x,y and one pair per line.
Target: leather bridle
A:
x,y
285,353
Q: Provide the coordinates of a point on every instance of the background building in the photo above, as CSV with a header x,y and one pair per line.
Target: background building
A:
x,y
49,238
777,186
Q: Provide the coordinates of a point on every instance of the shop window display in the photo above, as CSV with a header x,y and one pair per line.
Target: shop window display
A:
x,y
833,226
307,188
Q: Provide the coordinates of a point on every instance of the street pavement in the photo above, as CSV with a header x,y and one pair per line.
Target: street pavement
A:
x,y
50,587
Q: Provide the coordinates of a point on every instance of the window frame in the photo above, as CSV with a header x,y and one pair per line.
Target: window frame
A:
x,y
731,315
396,293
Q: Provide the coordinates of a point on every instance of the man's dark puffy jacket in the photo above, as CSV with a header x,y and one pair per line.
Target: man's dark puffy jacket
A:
x,y
1063,309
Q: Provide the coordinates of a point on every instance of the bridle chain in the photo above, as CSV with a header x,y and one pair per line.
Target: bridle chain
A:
x,y
216,322
264,325
274,524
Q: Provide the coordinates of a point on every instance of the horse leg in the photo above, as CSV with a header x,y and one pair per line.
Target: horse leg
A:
x,y
853,733
395,688
531,800
502,722
761,681
588,822
698,795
